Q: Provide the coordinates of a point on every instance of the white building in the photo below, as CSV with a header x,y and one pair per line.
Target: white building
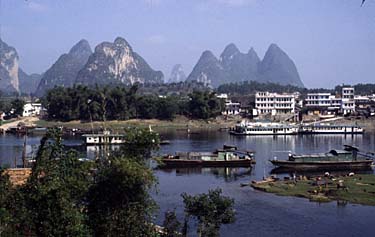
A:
x,y
274,103
318,100
222,96
32,109
322,103
232,108
325,103
348,93
348,102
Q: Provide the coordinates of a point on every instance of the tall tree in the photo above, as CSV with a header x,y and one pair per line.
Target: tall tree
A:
x,y
211,210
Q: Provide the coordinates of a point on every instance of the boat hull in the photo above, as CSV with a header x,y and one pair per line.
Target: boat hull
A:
x,y
201,163
261,134
323,165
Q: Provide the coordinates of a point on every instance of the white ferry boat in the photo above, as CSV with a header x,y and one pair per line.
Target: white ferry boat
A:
x,y
264,128
324,128
104,138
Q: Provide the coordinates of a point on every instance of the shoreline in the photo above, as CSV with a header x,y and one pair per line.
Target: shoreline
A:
x,y
179,123
357,189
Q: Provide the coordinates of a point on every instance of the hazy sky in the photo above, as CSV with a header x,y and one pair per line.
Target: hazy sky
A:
x,y
330,41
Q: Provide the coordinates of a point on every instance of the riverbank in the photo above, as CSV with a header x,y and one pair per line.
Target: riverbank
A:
x,y
359,189
179,122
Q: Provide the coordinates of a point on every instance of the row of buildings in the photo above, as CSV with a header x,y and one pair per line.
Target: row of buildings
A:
x,y
267,103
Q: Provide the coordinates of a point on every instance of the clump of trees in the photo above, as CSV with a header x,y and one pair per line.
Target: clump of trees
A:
x,y
120,103
250,87
12,107
65,196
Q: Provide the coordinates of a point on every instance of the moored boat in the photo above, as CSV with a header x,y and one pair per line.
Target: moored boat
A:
x,y
323,128
226,157
105,138
348,159
264,128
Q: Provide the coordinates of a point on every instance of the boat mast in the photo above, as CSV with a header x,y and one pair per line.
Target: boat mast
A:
x,y
24,151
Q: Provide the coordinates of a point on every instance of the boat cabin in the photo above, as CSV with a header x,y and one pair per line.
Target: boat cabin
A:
x,y
100,139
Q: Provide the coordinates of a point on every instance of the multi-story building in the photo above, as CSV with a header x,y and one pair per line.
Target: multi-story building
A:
x,y
275,103
319,100
348,93
348,103
325,103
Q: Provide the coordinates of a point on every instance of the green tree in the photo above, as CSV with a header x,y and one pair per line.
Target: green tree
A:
x,y
119,203
204,105
6,219
171,224
52,202
211,210
17,105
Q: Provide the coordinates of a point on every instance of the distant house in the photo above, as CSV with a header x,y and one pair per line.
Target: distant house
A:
x,y
32,109
232,108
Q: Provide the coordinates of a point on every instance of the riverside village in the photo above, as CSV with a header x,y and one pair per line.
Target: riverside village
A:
x,y
187,118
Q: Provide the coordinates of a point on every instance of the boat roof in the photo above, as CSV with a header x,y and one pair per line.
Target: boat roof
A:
x,y
339,152
102,135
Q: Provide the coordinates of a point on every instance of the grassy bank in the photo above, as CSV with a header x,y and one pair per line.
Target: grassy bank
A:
x,y
179,122
358,189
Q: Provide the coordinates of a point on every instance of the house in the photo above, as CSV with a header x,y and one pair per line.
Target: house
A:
x,y
232,108
32,109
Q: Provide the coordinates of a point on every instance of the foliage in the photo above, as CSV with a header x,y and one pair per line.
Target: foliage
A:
x,y
68,197
119,204
52,200
139,144
120,103
171,224
204,105
5,196
211,210
17,105
250,87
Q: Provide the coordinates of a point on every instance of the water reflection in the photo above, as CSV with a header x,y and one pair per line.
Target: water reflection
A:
x,y
229,174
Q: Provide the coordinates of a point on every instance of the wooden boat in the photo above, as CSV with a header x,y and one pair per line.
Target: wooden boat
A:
x,y
348,159
226,157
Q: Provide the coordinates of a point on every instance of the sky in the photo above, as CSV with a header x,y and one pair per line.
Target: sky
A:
x,y
331,41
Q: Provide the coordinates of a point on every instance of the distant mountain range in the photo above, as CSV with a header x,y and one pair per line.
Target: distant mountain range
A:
x,y
117,63
234,66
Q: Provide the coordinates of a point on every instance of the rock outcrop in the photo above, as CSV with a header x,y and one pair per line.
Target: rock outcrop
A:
x,y
65,70
117,63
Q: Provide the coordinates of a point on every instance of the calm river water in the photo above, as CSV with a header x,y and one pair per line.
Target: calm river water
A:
x,y
258,213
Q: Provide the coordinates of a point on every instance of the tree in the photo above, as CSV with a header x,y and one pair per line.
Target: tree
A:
x,y
119,203
204,105
6,191
171,224
17,105
52,202
139,144
211,210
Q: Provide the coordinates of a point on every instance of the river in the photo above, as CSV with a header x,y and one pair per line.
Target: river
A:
x,y
258,213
